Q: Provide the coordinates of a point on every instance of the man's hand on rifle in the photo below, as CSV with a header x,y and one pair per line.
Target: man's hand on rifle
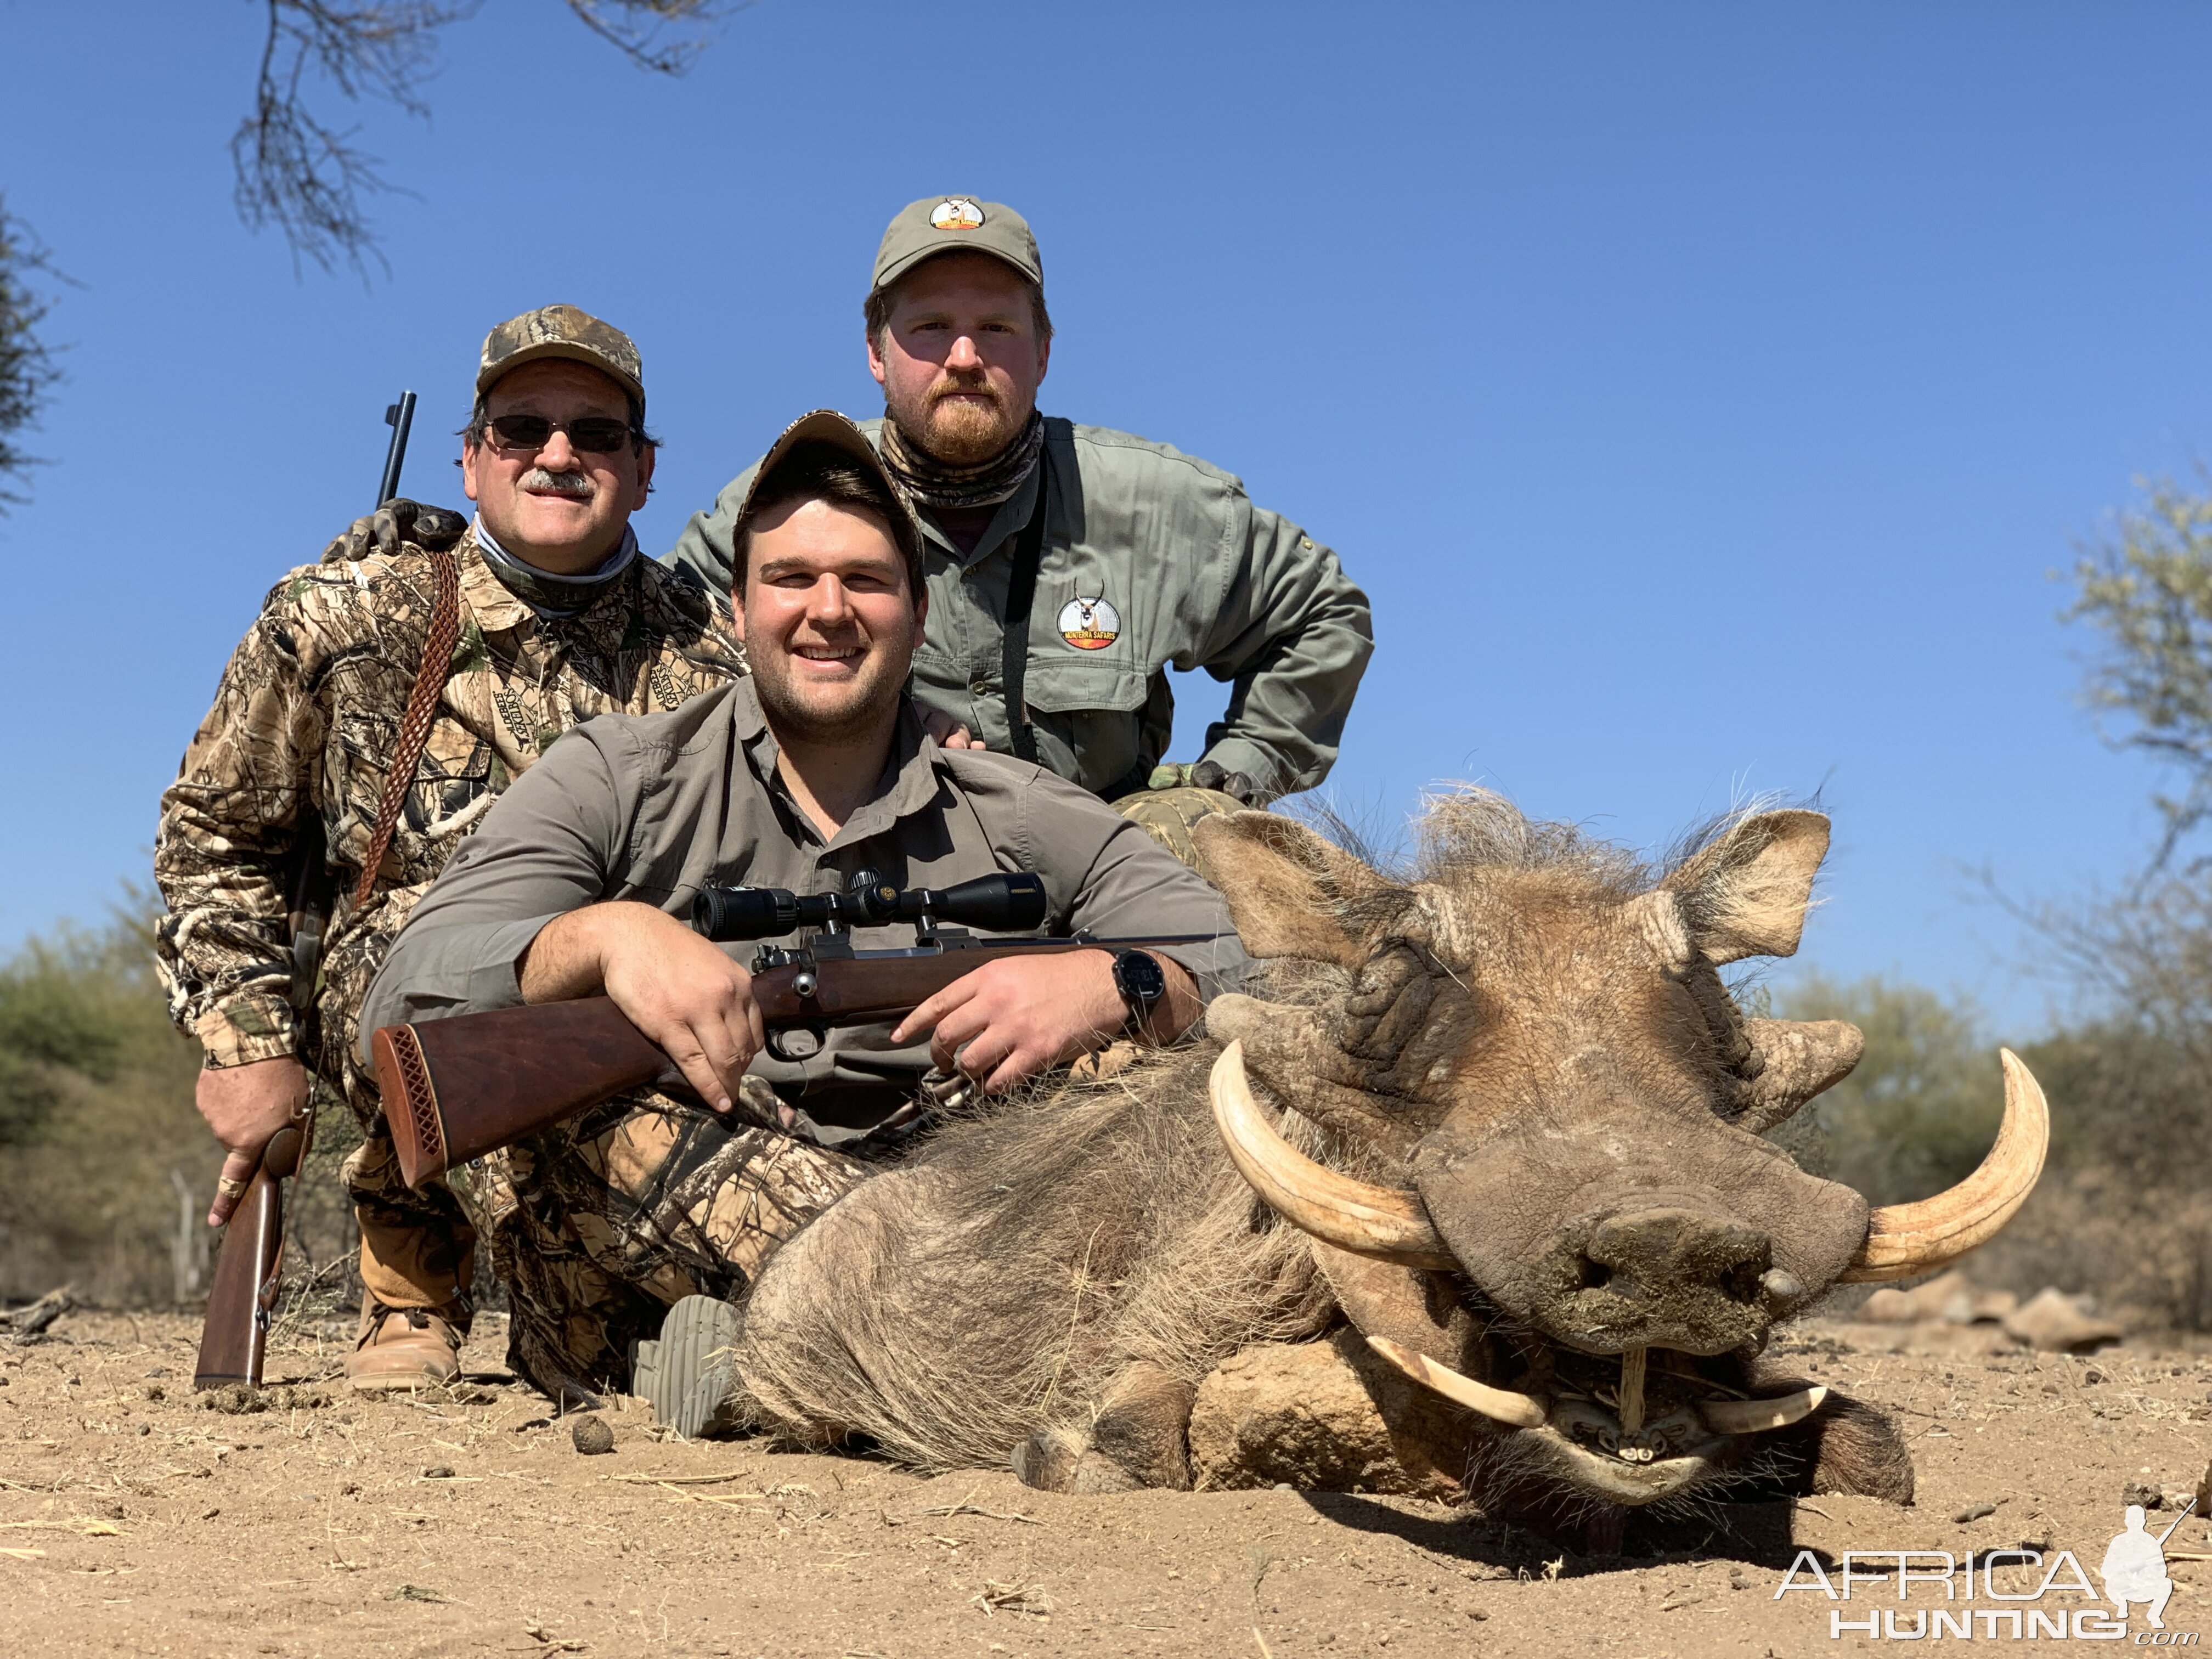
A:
x,y
1012,1019
684,995
246,1106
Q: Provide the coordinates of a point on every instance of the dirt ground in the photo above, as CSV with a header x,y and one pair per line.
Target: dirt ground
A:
x,y
134,1519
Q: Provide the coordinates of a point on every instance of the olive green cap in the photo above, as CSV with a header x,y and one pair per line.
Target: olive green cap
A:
x,y
955,224
561,332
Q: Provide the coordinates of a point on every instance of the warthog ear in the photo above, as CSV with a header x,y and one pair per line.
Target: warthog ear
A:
x,y
1745,894
1287,888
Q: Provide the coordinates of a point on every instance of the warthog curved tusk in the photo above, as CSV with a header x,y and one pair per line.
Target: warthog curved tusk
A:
x,y
1904,1239
1751,1416
1518,1411
1388,1222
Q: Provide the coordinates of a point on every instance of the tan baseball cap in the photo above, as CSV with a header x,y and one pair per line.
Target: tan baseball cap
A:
x,y
566,332
953,224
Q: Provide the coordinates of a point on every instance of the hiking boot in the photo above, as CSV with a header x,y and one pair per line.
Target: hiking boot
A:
x,y
403,1348
689,1374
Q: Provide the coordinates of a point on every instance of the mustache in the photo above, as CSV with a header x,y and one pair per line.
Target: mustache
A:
x,y
972,385
581,486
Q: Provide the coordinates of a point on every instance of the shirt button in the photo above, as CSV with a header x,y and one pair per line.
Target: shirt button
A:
x,y
980,687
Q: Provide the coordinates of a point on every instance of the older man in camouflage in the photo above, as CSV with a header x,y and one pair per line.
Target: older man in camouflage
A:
x,y
541,615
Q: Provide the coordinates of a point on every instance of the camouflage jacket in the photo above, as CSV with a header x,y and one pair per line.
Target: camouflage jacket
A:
x,y
304,724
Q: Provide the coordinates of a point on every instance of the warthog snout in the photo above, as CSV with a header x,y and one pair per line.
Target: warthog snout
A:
x,y
1662,1275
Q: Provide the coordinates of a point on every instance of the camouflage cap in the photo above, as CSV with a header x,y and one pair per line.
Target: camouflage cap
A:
x,y
953,224
566,332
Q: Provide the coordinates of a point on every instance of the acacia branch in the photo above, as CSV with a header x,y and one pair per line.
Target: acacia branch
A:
x,y
27,370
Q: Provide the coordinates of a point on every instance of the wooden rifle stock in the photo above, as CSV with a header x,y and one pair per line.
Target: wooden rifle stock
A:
x,y
456,1089
235,1338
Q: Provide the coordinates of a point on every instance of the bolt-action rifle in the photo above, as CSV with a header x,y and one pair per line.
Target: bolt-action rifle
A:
x,y
242,1299
455,1089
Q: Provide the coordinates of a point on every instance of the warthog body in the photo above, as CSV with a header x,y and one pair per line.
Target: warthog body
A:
x,y
1513,1112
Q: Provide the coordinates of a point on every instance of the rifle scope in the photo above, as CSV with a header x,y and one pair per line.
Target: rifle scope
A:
x,y
997,904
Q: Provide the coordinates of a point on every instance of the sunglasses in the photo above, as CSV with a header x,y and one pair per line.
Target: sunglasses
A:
x,y
595,434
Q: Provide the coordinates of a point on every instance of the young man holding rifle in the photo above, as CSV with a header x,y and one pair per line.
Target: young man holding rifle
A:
x,y
815,768
453,666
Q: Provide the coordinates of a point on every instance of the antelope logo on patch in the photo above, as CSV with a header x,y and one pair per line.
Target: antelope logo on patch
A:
x,y
1089,624
956,213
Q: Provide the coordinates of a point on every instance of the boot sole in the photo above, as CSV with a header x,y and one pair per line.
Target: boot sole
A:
x,y
688,1375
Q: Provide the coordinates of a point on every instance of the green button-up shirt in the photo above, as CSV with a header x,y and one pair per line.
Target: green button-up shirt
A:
x,y
1152,558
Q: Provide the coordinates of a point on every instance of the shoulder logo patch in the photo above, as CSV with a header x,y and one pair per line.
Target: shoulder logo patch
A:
x,y
956,213
1089,624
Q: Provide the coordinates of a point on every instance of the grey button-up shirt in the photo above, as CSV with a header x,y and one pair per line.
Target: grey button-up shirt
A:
x,y
648,807
1191,575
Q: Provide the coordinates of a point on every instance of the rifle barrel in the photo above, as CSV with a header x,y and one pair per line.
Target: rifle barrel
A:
x,y
399,417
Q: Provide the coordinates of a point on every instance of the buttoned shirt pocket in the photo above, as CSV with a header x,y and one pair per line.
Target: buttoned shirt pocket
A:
x,y
1093,713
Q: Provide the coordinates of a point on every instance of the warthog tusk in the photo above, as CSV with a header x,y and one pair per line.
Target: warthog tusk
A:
x,y
1518,1411
1904,1239
1751,1416
1388,1222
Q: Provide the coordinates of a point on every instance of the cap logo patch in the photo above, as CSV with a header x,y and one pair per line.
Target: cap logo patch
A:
x,y
1089,624
956,213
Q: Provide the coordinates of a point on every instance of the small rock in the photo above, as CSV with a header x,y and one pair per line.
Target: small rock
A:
x,y
210,1514
439,1472
2142,1492
145,1428
158,1371
156,1391
112,1511
1973,1512
1477,1614
349,1489
2056,1324
592,1436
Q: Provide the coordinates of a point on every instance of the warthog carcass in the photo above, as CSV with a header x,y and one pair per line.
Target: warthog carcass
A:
x,y
1511,1115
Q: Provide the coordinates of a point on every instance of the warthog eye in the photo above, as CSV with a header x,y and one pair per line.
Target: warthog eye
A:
x,y
1404,1020
1389,1003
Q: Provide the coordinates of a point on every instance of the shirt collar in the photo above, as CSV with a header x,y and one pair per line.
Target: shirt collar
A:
x,y
1013,512
910,781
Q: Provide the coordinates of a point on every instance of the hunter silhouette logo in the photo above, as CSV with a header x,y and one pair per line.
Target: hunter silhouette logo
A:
x,y
2002,1595
956,213
1089,624
2134,1568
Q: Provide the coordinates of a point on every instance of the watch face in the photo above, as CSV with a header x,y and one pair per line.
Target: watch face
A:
x,y
1139,977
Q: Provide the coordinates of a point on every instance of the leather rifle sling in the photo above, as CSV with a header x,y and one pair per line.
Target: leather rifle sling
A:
x,y
421,710
1021,596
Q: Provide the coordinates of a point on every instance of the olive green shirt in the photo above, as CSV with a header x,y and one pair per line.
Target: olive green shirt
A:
x,y
1193,575
649,808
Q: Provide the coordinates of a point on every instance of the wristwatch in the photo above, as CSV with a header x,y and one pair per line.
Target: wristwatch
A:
x,y
1141,981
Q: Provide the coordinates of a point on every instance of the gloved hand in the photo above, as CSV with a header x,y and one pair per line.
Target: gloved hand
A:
x,y
398,520
1208,774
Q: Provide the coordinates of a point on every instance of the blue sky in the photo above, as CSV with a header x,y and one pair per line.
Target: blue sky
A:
x,y
1703,393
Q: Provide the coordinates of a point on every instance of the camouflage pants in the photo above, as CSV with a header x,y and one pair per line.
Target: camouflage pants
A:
x,y
418,1250
599,1224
